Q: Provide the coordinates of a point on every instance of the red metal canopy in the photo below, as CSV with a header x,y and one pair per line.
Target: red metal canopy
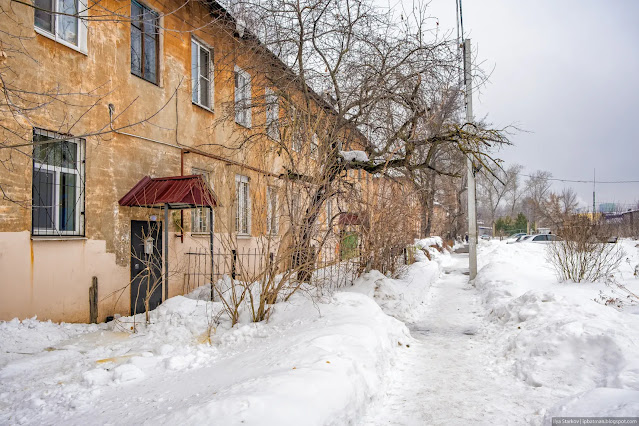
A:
x,y
178,192
352,219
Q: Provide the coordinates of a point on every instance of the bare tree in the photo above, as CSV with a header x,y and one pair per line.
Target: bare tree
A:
x,y
568,201
377,77
516,191
499,190
537,190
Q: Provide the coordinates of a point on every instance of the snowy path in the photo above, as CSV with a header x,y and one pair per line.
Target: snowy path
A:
x,y
452,374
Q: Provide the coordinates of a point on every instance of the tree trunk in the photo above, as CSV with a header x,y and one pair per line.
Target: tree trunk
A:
x,y
424,216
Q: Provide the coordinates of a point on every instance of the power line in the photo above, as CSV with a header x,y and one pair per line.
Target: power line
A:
x,y
580,181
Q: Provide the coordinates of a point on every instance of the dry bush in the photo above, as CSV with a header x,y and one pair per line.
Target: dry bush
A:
x,y
393,227
584,253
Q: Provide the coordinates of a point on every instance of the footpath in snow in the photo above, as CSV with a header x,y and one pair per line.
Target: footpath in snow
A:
x,y
452,374
518,347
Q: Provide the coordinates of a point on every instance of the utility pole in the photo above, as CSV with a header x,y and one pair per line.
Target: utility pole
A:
x,y
594,180
472,212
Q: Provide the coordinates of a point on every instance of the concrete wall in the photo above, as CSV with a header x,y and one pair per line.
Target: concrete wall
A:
x,y
51,278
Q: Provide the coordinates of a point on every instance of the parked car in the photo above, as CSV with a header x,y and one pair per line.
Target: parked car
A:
x,y
513,238
543,238
517,235
519,239
485,237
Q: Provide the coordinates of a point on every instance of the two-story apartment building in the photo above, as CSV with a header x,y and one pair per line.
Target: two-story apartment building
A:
x,y
127,124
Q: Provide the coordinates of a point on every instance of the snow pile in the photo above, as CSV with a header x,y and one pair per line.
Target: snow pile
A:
x,y
350,156
557,335
403,298
313,363
429,242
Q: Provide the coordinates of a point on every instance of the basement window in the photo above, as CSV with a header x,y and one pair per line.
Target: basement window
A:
x,y
57,185
63,21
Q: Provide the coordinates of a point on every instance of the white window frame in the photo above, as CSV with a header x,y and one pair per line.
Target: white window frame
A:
x,y
243,113
200,216
82,27
272,114
79,172
196,76
242,205
296,205
314,149
296,134
329,211
272,204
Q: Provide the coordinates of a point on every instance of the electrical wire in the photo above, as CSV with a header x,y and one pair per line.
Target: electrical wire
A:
x,y
580,181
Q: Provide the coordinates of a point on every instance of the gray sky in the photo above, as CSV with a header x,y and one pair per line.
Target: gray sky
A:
x,y
567,71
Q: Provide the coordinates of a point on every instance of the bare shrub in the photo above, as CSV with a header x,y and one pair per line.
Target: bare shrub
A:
x,y
619,295
584,253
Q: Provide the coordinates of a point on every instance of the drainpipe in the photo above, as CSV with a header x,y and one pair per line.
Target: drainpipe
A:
x,y
211,231
182,210
166,252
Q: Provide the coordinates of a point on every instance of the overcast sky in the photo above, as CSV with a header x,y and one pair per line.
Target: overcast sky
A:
x,y
567,71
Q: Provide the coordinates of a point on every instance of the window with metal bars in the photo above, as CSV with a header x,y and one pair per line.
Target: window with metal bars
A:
x,y
201,74
58,185
145,36
243,205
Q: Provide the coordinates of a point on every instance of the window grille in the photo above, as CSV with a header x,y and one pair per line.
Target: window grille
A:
x,y
243,204
58,184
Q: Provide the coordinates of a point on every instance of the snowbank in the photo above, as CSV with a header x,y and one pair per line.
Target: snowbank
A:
x,y
404,298
312,363
557,335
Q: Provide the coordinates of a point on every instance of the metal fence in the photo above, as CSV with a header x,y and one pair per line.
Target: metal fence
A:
x,y
331,269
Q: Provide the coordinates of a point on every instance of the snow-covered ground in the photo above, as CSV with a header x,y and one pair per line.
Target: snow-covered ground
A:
x,y
315,362
427,348
517,348
558,337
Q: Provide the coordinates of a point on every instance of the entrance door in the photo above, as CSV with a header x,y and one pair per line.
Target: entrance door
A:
x,y
146,265
349,245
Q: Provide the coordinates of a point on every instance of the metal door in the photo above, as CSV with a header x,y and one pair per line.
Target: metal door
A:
x,y
146,265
